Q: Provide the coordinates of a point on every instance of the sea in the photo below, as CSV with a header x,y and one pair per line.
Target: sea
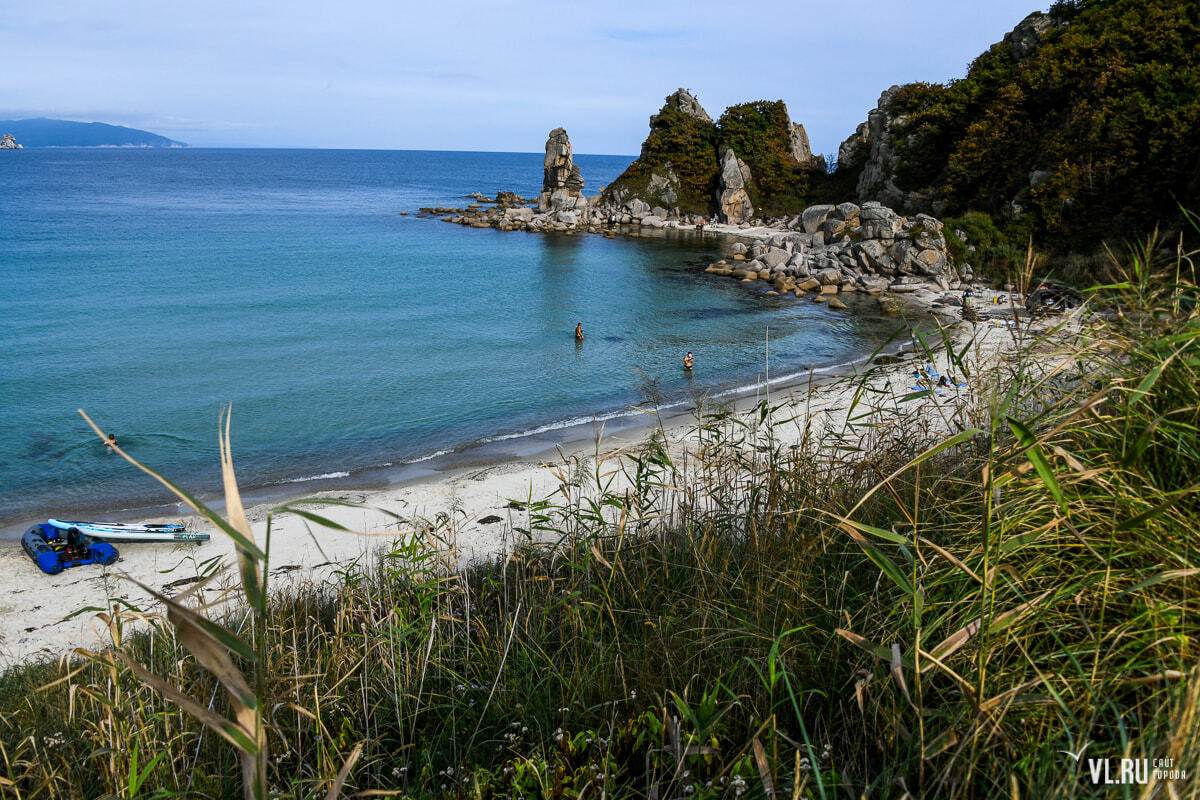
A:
x,y
356,344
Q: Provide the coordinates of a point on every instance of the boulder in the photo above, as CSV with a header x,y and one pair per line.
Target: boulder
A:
x,y
847,211
774,257
738,248
637,208
836,305
829,288
929,223
820,298
9,142
813,216
808,284
930,262
832,229
653,221
522,213
879,222
872,284
828,277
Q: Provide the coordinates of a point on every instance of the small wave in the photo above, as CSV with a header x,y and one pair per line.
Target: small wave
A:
x,y
428,457
564,423
321,477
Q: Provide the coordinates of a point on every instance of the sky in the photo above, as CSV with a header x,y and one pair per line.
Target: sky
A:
x,y
467,75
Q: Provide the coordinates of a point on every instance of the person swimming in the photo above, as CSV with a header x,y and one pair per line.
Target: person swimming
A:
x,y
687,361
111,442
579,332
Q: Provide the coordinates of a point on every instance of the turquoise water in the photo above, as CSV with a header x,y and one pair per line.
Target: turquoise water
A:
x,y
152,287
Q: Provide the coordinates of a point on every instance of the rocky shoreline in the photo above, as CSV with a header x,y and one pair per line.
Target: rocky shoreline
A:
x,y
820,253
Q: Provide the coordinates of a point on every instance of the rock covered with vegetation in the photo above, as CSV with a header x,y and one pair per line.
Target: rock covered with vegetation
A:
x,y
1078,126
685,164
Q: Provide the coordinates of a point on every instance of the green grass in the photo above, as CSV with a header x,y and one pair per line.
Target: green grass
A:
x,y
888,609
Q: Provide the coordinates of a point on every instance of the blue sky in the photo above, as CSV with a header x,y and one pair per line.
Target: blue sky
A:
x,y
469,75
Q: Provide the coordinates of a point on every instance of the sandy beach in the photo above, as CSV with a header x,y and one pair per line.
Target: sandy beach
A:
x,y
40,615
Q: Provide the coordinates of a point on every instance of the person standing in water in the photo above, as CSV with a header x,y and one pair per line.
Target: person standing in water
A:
x,y
579,331
111,442
687,361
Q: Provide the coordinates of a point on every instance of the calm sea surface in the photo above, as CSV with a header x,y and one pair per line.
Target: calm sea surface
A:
x,y
151,287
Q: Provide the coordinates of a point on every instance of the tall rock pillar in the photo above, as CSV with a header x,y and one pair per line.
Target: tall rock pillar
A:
x,y
733,199
562,184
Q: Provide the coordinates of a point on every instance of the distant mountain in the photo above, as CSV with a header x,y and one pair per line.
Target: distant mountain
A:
x,y
65,133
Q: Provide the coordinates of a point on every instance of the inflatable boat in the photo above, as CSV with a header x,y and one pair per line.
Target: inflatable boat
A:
x,y
54,550
122,532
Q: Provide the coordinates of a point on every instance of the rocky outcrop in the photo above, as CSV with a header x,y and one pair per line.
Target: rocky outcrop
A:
x,y
684,101
562,183
871,150
733,196
847,248
561,205
9,142
801,150
853,151
1028,35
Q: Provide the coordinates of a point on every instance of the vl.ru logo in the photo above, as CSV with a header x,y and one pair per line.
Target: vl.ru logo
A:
x,y
1127,771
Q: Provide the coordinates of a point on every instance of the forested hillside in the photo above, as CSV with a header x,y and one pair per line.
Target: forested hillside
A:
x,y
1079,127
